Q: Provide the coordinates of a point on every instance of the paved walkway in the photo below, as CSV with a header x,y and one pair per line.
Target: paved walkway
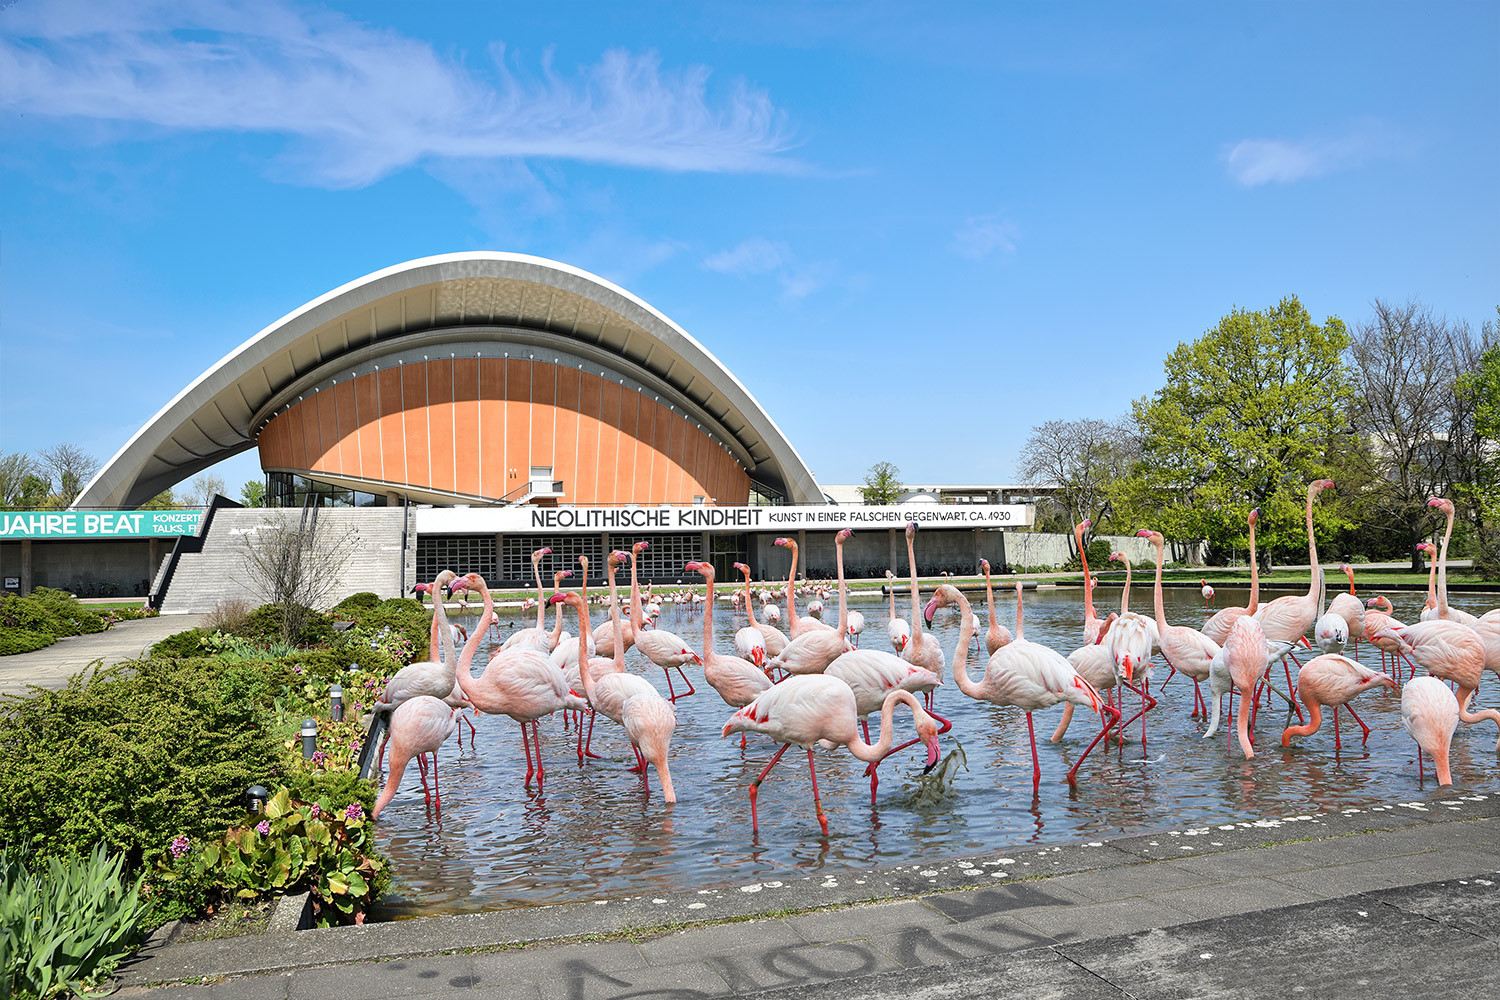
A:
x,y
1400,899
51,667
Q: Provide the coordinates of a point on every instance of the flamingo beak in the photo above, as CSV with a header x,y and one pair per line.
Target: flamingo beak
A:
x,y
556,599
758,657
932,753
1129,669
1093,701
696,658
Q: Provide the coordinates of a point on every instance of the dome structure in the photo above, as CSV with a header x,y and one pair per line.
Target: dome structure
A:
x,y
467,378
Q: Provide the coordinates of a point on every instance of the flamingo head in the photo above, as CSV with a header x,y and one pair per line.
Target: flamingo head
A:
x,y
889,575
1254,516
839,538
694,567
639,547
1079,684
1117,557
911,530
1427,547
758,656
1446,506
1084,525
984,564
560,576
1127,664
1114,616
693,656
536,556
469,581
743,569
1319,486
558,599
1153,536
782,542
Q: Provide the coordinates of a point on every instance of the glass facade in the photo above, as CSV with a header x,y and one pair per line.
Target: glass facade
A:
x,y
286,490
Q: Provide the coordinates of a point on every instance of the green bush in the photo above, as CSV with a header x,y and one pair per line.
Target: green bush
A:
x,y
135,755
265,623
1098,552
65,924
68,614
189,643
18,640
412,619
26,614
361,601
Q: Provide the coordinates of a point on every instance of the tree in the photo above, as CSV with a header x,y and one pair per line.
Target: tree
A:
x,y
882,484
15,466
164,500
1085,459
1251,412
1407,363
253,493
69,468
294,562
1480,387
204,488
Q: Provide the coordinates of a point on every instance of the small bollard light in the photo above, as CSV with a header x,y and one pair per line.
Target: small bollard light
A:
x,y
309,738
336,703
353,667
255,798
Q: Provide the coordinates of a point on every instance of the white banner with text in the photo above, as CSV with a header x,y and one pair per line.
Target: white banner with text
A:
x,y
541,520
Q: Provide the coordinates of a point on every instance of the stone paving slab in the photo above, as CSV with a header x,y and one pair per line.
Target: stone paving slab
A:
x,y
51,667
1013,899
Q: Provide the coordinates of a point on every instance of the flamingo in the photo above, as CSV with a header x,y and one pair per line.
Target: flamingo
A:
x,y
1377,620
896,628
796,627
773,639
570,651
418,727
1246,658
660,646
1095,665
1028,676
1331,633
814,649
1207,591
648,718
1350,608
1429,607
1289,618
1189,651
1333,680
872,674
738,681
1091,621
538,635
520,682
1443,611
1217,627
1430,713
998,636
815,708
1451,652
1132,640
856,626
434,678
924,650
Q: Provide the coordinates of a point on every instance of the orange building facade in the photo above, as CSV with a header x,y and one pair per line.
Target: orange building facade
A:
x,y
485,428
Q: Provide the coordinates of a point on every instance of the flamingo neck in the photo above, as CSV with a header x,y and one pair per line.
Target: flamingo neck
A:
x,y
791,586
1125,597
462,667
989,595
1254,574
541,600
873,753
961,657
1313,585
1088,581
890,592
708,612
614,617
750,602
1314,723
1442,568
557,626
1161,617
916,607
1431,583
1350,574
843,594
1020,626
440,629
583,656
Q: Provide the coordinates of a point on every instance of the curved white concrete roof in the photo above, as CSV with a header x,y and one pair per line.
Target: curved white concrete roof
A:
x,y
515,295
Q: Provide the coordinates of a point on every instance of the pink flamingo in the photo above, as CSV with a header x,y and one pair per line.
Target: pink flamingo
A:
x,y
1207,591
521,683
1448,651
1375,621
1091,621
814,649
1430,714
659,646
1442,610
1189,651
1026,675
418,727
1350,608
896,627
1333,680
923,650
773,638
1287,619
1132,641
1217,627
807,709
997,635
604,635
796,627
872,674
538,636
738,681
434,678
1246,658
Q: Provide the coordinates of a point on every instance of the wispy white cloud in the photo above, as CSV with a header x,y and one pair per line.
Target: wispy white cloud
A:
x,y
759,256
982,235
1253,162
359,102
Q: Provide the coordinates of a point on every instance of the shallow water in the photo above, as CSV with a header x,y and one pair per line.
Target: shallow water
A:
x,y
595,833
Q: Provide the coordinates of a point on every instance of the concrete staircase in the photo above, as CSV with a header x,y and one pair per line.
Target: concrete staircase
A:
x,y
371,536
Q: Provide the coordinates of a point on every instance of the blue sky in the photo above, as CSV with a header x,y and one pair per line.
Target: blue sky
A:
x,y
914,231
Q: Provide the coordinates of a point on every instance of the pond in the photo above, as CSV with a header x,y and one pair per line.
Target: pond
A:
x,y
593,833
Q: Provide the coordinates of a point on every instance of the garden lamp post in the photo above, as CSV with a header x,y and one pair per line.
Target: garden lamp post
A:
x,y
255,798
336,703
309,738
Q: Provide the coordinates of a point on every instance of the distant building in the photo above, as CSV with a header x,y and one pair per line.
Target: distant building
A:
x,y
850,493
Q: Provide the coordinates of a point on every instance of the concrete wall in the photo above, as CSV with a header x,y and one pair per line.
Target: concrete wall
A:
x,y
89,568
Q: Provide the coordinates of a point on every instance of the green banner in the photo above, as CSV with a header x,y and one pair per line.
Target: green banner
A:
x,y
47,524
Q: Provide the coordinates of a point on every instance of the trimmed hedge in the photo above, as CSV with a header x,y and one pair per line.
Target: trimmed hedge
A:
x,y
179,644
18,640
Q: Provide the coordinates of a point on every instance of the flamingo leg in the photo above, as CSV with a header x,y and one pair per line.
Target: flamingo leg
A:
x,y
526,745
1361,723
422,768
1338,743
1229,737
817,801
641,764
1147,703
588,741
690,688
437,796
1145,693
1109,720
1036,765
536,733
755,785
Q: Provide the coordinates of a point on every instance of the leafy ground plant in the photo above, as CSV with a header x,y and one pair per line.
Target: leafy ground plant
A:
x,y
65,924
